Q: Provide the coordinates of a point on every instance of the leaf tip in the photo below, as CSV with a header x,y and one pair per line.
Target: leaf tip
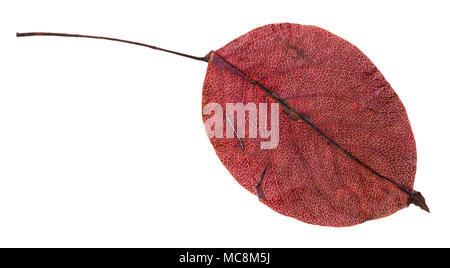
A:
x,y
417,199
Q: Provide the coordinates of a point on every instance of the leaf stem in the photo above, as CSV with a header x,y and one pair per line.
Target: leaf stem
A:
x,y
205,58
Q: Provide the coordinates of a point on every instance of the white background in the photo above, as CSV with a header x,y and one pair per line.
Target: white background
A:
x,y
102,144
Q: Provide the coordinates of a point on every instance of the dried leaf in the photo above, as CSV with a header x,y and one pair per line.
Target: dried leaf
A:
x,y
346,151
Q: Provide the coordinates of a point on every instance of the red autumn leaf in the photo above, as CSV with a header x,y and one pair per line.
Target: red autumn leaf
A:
x,y
346,152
